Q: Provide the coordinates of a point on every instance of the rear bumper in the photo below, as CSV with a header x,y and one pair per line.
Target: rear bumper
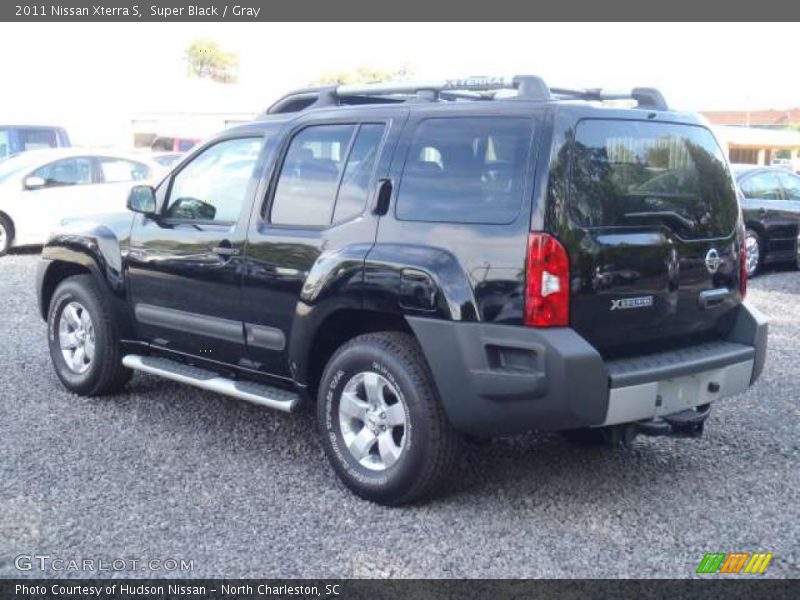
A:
x,y
500,379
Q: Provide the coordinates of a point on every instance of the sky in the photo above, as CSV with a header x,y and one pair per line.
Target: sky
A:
x,y
90,67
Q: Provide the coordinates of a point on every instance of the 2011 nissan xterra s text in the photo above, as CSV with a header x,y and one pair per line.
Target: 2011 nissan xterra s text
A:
x,y
424,261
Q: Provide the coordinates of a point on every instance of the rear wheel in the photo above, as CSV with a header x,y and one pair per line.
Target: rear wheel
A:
x,y
6,234
84,339
383,427
753,246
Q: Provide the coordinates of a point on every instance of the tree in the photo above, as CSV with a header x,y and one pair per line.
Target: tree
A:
x,y
205,58
364,75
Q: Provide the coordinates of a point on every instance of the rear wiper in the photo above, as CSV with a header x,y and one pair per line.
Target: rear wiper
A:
x,y
662,213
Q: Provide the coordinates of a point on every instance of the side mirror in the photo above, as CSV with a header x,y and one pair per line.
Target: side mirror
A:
x,y
34,183
142,199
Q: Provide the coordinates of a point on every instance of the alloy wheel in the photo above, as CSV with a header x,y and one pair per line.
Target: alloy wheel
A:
x,y
373,420
76,337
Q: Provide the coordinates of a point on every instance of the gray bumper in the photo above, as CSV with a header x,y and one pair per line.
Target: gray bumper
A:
x,y
500,379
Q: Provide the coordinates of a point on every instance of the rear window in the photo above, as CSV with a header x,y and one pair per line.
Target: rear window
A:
x,y
465,170
631,173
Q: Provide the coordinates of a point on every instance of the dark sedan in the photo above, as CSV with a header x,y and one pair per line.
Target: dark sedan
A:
x,y
771,207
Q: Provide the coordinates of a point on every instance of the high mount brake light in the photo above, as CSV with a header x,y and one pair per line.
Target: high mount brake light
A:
x,y
547,282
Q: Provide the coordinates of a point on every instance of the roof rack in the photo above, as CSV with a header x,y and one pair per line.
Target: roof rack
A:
x,y
527,87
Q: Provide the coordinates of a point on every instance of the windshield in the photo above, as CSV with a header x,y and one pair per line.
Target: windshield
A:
x,y
633,173
5,143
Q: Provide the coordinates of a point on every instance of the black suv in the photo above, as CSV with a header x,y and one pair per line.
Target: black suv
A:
x,y
424,261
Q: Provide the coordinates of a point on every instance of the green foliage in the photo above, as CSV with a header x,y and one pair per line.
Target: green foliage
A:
x,y
363,75
205,59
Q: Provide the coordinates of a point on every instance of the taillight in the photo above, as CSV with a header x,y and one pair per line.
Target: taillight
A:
x,y
547,282
743,272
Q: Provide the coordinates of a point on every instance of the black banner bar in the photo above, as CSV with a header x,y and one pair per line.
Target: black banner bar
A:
x,y
406,10
733,588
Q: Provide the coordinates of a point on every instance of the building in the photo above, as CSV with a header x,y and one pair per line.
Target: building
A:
x,y
753,145
772,119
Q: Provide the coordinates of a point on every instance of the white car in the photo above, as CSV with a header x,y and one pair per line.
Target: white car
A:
x,y
39,189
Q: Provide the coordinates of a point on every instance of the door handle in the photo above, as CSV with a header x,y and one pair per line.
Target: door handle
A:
x,y
225,251
384,197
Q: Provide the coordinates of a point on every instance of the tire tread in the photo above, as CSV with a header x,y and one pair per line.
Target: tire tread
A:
x,y
445,441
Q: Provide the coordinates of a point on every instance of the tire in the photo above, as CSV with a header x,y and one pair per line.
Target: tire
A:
x,y
6,234
100,369
404,457
753,241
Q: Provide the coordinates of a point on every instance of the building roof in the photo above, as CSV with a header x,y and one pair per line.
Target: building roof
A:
x,y
770,117
755,137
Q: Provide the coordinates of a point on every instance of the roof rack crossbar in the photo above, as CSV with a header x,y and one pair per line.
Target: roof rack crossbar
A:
x,y
645,97
528,87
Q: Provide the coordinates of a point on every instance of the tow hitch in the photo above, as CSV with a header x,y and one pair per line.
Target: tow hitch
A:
x,y
687,423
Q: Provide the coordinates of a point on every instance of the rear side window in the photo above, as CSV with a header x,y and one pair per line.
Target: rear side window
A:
x,y
326,174
117,170
465,170
632,173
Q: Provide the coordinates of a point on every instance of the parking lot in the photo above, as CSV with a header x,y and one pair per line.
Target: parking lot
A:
x,y
164,471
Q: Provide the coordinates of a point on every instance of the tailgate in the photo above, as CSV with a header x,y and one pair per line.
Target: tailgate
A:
x,y
654,248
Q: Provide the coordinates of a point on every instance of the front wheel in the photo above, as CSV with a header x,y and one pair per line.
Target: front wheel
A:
x,y
382,424
752,245
6,234
84,339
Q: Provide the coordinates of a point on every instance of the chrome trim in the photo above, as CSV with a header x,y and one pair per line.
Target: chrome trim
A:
x,y
219,384
658,398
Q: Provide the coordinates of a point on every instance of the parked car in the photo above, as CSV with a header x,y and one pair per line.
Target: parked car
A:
x,y
167,159
771,209
164,143
15,139
426,269
40,188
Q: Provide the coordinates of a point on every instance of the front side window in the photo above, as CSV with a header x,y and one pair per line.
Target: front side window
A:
x,y
763,186
635,173
213,185
791,186
67,171
117,170
465,170
326,174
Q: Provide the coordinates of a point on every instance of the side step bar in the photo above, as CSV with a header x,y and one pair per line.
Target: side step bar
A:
x,y
258,393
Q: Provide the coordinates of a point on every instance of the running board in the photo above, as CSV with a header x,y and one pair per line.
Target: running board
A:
x,y
258,393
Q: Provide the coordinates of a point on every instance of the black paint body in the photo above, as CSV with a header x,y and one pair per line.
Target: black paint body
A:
x,y
259,311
